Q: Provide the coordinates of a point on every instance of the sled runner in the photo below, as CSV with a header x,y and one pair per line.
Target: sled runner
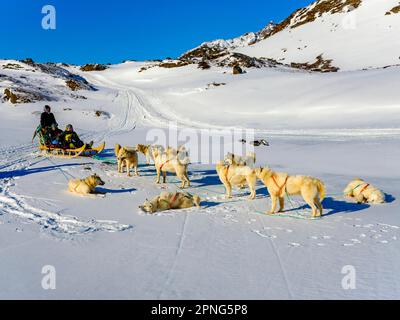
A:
x,y
72,153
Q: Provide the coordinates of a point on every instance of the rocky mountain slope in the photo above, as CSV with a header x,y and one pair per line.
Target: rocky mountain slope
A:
x,y
349,34
327,36
27,81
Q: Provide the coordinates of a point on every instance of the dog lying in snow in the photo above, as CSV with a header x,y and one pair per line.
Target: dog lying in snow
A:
x,y
235,175
126,157
167,162
279,184
171,201
248,160
364,192
86,186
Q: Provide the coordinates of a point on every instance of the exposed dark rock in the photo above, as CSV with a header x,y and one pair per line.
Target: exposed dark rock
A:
x,y
204,65
394,10
12,66
73,85
239,59
320,65
204,53
19,95
93,67
237,70
174,64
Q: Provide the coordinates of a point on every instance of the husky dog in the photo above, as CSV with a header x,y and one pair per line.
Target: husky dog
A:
x,y
248,160
127,157
364,192
145,150
171,201
86,186
235,175
165,162
279,184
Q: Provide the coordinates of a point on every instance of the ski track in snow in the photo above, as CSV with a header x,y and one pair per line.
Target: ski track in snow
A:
x,y
17,159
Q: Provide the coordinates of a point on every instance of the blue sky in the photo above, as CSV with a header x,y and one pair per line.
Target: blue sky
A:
x,y
112,31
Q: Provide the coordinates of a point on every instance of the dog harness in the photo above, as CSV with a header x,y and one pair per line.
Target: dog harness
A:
x,y
280,188
174,198
363,189
163,164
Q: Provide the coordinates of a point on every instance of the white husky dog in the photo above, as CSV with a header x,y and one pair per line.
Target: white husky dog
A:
x,y
249,160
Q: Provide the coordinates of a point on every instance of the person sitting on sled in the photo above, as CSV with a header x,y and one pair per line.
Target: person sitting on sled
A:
x,y
54,133
44,138
70,139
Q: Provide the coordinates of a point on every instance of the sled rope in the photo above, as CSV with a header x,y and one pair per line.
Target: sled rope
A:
x,y
64,173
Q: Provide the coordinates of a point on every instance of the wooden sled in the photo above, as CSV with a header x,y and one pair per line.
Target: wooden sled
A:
x,y
72,153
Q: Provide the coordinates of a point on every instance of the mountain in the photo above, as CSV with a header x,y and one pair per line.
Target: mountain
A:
x,y
27,81
328,35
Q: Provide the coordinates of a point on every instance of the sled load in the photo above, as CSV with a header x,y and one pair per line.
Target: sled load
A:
x,y
84,151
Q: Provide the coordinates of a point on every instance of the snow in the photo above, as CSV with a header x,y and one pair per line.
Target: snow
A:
x,y
363,38
335,126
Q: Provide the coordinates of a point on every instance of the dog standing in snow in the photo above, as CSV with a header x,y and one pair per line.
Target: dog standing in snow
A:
x,y
248,160
127,157
145,150
237,175
364,192
171,201
279,184
85,187
167,162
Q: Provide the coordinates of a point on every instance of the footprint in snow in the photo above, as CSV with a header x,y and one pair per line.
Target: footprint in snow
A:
x,y
258,232
294,244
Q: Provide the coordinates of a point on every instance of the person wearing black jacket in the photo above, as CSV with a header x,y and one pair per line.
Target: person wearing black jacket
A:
x,y
47,118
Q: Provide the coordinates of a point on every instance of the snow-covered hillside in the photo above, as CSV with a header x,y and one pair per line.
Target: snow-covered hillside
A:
x,y
354,34
328,35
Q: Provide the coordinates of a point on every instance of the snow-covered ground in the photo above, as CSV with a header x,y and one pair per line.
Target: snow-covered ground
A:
x,y
332,126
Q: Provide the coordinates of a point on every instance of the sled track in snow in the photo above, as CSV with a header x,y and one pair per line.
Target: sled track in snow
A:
x,y
152,112
17,159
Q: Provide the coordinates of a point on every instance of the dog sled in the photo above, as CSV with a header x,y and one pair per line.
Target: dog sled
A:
x,y
71,153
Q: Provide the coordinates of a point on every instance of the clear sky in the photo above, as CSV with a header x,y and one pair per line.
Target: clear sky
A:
x,y
112,31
